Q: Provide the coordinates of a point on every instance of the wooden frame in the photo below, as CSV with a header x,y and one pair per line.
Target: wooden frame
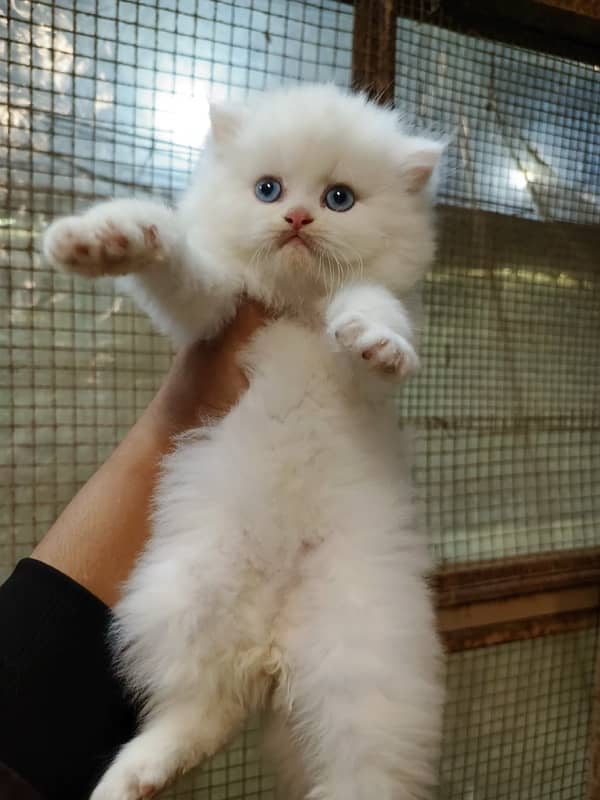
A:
x,y
499,579
585,8
549,27
487,603
374,48
565,28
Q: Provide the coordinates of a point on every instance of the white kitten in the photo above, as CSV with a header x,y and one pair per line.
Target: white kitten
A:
x,y
285,572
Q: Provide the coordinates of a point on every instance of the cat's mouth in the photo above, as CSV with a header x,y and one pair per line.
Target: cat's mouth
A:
x,y
294,239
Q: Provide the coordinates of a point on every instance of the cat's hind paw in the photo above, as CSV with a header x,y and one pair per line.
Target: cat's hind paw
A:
x,y
382,348
91,246
129,781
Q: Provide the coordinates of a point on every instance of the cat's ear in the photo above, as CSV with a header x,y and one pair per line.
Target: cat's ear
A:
x,y
418,165
225,121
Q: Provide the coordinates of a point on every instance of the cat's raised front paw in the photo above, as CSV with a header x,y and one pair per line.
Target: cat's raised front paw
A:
x,y
93,247
381,347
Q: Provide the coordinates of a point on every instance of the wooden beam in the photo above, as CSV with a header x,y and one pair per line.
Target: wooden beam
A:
x,y
533,606
585,8
499,579
457,641
488,603
550,27
374,48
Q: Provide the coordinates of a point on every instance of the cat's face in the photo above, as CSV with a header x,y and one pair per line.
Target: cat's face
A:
x,y
310,188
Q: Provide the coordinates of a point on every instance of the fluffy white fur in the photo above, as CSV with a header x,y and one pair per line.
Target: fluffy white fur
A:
x,y
285,571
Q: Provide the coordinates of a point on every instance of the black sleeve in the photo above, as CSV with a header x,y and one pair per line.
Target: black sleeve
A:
x,y
62,712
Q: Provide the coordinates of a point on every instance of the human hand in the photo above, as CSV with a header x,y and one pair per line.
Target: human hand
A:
x,y
205,380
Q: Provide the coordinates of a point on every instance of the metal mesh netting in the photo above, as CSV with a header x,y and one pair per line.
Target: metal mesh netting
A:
x,y
96,102
510,459
517,720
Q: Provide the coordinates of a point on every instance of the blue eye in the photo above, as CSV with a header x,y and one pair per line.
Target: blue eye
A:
x,y
268,189
339,198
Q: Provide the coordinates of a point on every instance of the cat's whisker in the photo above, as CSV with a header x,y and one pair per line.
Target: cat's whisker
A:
x,y
323,269
326,262
351,258
263,249
330,274
336,249
254,256
338,276
321,273
333,284
339,271
358,262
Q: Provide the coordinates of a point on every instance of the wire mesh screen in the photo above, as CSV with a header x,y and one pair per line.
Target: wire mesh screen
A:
x,y
517,720
510,459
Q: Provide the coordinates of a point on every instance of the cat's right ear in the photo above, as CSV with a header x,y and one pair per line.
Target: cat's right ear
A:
x,y
225,121
419,163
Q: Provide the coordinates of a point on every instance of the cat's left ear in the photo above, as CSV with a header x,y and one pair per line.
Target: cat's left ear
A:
x,y
225,121
418,165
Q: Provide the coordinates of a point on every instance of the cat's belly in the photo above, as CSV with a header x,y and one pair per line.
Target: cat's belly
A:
x,y
303,466
304,446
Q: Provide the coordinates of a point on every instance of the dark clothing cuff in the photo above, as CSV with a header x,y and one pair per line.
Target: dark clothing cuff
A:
x,y
63,714
13,787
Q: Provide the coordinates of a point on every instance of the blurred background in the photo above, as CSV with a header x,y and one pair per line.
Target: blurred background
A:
x,y
110,98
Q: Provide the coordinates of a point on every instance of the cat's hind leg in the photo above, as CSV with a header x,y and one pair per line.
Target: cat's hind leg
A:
x,y
175,737
117,237
364,670
284,754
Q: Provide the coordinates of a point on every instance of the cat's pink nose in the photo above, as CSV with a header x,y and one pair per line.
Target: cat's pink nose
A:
x,y
297,217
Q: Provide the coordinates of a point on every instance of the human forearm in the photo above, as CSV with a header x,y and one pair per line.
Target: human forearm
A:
x,y
103,529
100,533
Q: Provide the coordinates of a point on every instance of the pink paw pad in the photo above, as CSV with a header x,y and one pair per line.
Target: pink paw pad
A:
x,y
113,246
147,790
